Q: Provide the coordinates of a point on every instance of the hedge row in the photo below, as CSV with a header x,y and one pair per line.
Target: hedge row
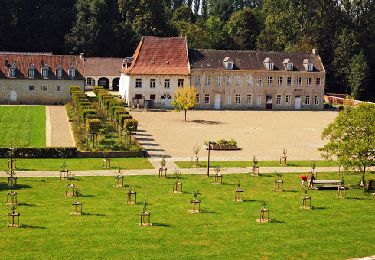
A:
x,y
49,152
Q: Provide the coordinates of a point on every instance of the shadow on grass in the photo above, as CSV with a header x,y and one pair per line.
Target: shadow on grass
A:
x,y
32,227
27,205
93,214
208,212
161,225
4,186
318,208
249,201
356,198
291,191
275,221
86,196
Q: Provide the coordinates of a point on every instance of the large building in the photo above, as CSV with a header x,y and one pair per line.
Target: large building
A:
x,y
225,79
103,71
157,68
39,78
228,79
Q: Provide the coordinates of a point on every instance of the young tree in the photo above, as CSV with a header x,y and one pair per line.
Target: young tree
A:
x,y
184,99
351,138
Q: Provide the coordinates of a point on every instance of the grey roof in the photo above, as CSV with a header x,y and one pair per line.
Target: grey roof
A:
x,y
250,60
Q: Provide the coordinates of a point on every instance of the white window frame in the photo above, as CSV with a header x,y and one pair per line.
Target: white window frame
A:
x,y
12,72
138,83
31,73
44,88
318,82
249,99
279,81
197,80
259,81
259,100
152,83
33,88
59,73
316,101
238,81
238,99
58,88
308,82
179,84
289,81
289,66
218,81
249,81
299,81
288,99
278,99
72,73
307,100
167,83
208,80
45,73
269,81
197,98
207,98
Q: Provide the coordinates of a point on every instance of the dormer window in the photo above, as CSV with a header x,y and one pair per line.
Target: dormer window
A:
x,y
288,64
72,72
309,66
45,72
228,63
12,71
31,71
59,72
268,63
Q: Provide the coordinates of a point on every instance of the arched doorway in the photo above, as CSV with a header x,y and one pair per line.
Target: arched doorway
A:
x,y
115,84
104,82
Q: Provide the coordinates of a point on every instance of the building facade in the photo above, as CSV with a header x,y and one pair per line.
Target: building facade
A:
x,y
39,78
257,80
103,71
158,67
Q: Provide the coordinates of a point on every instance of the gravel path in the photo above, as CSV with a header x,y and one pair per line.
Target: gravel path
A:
x,y
260,133
58,131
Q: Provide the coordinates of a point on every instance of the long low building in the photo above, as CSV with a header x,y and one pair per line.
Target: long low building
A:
x,y
225,79
39,78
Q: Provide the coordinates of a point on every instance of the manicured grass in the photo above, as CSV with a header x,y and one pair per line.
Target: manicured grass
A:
x,y
77,164
23,126
231,164
335,229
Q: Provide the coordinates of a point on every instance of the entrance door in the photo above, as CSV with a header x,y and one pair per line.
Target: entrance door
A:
x,y
13,96
297,102
268,102
217,104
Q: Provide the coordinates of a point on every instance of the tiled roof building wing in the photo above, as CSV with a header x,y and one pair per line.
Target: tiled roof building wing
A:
x,y
24,61
98,66
159,56
250,60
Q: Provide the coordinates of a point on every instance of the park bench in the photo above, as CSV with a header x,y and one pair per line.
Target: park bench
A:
x,y
326,184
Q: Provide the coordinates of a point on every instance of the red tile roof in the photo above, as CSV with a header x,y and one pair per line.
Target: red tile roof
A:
x,y
160,56
100,66
23,61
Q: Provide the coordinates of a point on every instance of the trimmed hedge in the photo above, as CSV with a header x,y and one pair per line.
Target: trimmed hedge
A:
x,y
130,125
49,152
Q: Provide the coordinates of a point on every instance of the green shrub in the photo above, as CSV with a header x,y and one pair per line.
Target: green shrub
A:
x,y
93,126
97,88
86,112
130,125
74,88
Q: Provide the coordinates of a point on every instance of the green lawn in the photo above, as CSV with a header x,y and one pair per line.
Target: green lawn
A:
x,y
231,164
76,164
23,126
335,229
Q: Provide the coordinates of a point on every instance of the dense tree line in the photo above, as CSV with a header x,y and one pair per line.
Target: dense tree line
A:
x,y
342,30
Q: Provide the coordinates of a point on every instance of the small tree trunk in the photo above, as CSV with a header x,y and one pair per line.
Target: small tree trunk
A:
x,y
185,114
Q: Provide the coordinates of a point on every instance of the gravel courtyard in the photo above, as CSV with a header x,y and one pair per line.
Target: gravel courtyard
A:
x,y
260,133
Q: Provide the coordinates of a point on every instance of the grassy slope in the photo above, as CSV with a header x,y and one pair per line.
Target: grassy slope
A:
x,y
335,229
229,164
23,126
76,164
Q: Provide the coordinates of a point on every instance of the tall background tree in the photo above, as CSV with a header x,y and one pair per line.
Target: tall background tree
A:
x,y
340,30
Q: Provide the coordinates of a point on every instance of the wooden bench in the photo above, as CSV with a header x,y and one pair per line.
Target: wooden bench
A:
x,y
326,184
